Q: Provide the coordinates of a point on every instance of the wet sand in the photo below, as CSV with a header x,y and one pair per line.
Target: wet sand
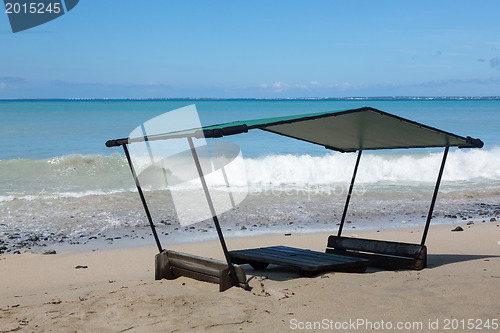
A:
x,y
118,220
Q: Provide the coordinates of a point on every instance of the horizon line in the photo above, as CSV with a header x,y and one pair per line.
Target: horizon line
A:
x,y
260,98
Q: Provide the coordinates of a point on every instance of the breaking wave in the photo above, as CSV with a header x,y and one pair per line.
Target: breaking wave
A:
x,y
82,175
462,166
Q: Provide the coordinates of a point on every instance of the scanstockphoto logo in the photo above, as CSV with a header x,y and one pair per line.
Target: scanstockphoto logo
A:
x,y
203,179
26,14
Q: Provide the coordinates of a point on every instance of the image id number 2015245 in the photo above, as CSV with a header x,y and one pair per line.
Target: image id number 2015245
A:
x,y
32,8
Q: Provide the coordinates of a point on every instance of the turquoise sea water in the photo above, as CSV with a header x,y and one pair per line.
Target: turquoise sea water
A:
x,y
43,129
57,175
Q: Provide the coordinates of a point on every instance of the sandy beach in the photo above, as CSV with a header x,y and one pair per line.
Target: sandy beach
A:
x,y
116,292
128,130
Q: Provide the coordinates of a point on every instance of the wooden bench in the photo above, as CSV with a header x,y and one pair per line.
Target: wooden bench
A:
x,y
309,263
171,265
383,254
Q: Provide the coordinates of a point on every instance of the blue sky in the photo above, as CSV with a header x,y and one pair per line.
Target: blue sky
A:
x,y
252,49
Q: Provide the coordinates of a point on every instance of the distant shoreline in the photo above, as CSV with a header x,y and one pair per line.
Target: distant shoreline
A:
x,y
372,98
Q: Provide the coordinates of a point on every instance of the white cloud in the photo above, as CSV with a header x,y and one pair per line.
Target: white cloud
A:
x,y
278,86
314,83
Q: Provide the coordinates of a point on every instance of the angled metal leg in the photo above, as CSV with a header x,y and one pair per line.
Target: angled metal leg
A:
x,y
434,196
143,199
228,187
349,193
212,211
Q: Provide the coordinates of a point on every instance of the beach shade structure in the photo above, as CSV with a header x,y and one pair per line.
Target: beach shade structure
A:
x,y
353,130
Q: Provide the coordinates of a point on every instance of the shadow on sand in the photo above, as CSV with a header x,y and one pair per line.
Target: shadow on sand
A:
x,y
436,260
283,273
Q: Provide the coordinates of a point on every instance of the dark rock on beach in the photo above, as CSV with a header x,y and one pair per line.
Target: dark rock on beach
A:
x,y
266,218
458,229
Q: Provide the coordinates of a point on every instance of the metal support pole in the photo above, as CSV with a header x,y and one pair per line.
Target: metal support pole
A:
x,y
228,187
434,196
349,193
212,210
143,199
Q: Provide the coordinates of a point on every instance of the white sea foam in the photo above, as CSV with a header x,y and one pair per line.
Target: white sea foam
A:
x,y
84,194
471,166
42,195
78,175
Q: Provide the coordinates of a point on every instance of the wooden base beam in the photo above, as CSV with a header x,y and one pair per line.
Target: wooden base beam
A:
x,y
171,265
383,254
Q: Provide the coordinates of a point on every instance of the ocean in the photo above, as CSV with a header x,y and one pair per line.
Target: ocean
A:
x,y
60,184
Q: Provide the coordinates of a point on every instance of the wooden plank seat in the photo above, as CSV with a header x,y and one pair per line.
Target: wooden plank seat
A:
x,y
308,262
383,254
171,265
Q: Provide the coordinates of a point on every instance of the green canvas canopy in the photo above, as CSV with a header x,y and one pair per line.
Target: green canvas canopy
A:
x,y
346,131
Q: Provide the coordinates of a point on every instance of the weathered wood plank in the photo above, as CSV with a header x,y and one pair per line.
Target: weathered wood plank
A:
x,y
277,258
171,265
274,257
383,254
306,261
208,266
240,274
314,254
178,272
384,261
293,255
162,267
375,246
175,256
